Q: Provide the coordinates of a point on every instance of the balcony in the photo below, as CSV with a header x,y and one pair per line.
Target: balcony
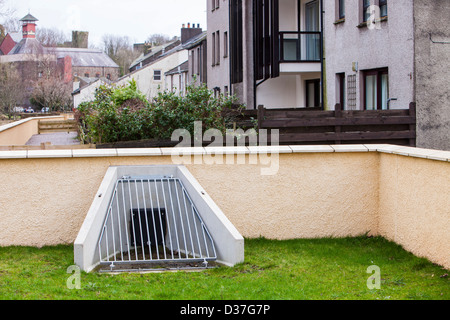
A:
x,y
303,46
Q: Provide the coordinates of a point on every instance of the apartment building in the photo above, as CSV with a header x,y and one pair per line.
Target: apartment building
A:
x,y
361,54
266,52
384,54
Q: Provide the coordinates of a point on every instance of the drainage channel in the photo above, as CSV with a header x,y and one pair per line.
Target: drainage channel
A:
x,y
152,224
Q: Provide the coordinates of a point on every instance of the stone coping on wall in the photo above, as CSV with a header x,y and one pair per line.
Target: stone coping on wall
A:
x,y
148,152
19,122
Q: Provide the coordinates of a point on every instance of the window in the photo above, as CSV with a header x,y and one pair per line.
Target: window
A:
x,y
213,49
341,9
376,89
199,61
225,44
383,8
86,75
218,48
97,75
193,62
108,76
157,75
236,42
365,8
217,4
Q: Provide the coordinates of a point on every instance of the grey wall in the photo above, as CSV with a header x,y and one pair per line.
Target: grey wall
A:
x,y
432,76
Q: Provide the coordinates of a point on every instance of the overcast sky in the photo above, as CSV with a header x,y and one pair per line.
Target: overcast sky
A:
x,y
136,19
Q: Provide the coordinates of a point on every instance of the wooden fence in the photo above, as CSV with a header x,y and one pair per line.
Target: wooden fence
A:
x,y
303,126
57,126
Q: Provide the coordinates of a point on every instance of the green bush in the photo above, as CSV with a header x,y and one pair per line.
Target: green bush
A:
x,y
124,114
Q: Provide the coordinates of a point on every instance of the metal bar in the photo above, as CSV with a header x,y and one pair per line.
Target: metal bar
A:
x,y
202,224
175,222
187,219
119,224
160,220
125,219
181,218
112,225
140,222
132,221
146,220
167,212
154,222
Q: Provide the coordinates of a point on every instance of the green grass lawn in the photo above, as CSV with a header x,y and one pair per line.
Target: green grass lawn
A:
x,y
331,269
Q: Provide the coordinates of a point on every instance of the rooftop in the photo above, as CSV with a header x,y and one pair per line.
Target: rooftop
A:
x,y
28,17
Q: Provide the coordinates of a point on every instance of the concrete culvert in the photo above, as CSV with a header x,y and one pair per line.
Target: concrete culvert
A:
x,y
147,218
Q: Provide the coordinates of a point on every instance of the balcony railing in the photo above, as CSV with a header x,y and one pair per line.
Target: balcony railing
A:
x,y
302,46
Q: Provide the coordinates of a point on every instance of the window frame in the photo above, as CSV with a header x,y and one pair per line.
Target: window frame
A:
x,y
381,4
378,73
365,7
341,9
155,75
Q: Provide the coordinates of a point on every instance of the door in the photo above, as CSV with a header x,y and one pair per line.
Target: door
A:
x,y
312,93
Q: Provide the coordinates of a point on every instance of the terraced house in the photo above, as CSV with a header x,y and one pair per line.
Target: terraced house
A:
x,y
316,54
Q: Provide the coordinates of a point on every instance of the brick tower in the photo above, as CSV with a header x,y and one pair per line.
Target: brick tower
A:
x,y
29,26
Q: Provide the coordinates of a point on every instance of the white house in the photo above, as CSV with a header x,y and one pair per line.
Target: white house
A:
x,y
151,78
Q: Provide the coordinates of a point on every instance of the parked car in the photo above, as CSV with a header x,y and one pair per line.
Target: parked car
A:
x,y
45,110
29,110
19,109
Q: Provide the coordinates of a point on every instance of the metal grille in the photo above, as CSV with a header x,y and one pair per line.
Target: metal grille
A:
x,y
351,92
153,223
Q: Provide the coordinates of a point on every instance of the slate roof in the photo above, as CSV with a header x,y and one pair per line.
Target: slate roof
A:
x,y
155,51
195,40
84,57
184,67
28,17
28,46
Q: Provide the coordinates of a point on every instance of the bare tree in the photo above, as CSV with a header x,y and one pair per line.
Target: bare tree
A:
x,y
11,89
12,24
158,39
120,50
53,93
51,37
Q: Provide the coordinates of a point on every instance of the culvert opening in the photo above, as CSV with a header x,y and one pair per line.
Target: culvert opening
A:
x,y
146,218
153,224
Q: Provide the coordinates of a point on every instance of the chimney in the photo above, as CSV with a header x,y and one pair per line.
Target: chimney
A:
x,y
190,32
65,65
29,26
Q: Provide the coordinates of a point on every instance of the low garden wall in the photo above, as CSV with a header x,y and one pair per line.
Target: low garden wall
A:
x,y
19,132
400,193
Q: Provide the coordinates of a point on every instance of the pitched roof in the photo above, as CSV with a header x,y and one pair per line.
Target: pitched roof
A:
x,y
84,57
184,67
27,46
28,17
191,43
155,52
